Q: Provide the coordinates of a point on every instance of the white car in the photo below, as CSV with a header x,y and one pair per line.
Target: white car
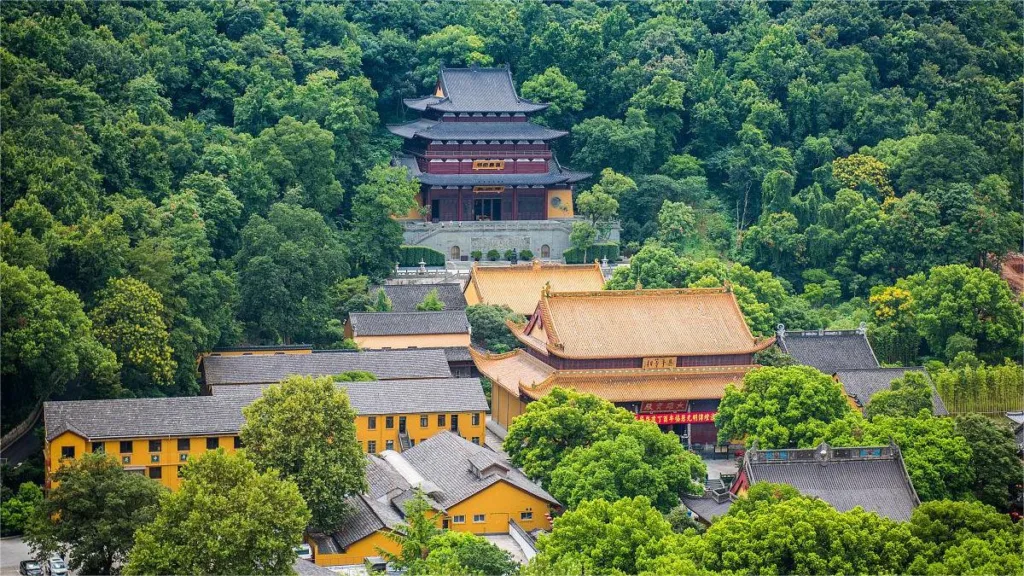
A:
x,y
304,552
56,566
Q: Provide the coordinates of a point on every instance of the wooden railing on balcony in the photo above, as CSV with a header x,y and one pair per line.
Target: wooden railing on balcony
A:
x,y
490,154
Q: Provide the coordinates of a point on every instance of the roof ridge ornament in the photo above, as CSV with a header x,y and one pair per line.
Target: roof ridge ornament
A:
x,y
780,330
862,328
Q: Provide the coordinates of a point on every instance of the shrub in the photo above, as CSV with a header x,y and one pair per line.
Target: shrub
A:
x,y
595,252
477,255
493,255
526,255
508,254
410,256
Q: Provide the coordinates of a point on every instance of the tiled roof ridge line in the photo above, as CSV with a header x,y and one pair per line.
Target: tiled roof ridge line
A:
x,y
644,292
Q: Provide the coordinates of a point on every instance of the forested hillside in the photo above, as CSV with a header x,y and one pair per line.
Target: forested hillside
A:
x,y
182,175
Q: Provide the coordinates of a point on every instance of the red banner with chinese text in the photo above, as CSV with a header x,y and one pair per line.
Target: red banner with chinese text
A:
x,y
679,418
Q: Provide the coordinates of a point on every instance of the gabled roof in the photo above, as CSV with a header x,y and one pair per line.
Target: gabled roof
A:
x,y
555,175
475,89
433,130
519,287
641,323
272,368
368,512
405,297
872,477
863,384
446,460
425,396
408,323
520,373
146,417
829,350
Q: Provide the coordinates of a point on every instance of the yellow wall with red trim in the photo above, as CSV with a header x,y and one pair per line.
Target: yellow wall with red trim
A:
x,y
417,432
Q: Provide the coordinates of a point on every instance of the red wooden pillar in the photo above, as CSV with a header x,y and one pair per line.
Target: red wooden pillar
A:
x,y
515,203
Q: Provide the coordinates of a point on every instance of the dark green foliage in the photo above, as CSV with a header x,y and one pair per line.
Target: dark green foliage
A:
x,y
489,329
997,469
595,252
493,255
526,255
906,397
411,256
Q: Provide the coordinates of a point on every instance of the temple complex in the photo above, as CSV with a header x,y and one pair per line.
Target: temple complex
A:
x,y
665,355
480,162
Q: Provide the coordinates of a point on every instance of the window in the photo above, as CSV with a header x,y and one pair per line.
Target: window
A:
x,y
126,459
156,472
389,422
154,458
476,439
476,419
98,448
526,515
126,447
371,446
371,422
455,423
488,164
412,442
212,443
389,445
67,452
456,253
545,251
183,444
155,445
183,457
479,518
460,519
424,421
440,420
237,442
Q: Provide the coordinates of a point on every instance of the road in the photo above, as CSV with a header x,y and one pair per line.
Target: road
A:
x,y
12,551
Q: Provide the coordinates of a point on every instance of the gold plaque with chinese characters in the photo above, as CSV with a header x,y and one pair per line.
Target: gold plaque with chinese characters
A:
x,y
659,362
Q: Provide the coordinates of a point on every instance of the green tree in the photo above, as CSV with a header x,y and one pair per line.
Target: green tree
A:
x,y
488,328
464,553
453,46
431,302
414,535
129,319
225,518
18,509
381,303
602,537
93,513
781,408
906,397
677,225
582,237
304,428
300,159
640,461
966,538
374,235
997,470
558,423
564,97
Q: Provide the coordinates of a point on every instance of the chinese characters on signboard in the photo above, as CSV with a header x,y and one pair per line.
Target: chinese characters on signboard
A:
x,y
659,362
663,406
679,418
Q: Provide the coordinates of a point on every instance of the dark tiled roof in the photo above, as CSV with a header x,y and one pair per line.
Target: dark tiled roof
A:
x,y
432,130
408,323
863,384
457,354
368,512
308,568
428,395
146,417
475,89
829,350
445,460
1016,417
405,297
385,364
876,484
706,507
554,175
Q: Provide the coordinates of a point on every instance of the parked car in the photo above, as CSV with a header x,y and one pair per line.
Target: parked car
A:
x,y
30,568
56,566
304,552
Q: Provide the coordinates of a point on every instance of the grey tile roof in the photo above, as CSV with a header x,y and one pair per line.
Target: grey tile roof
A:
x,y
829,350
1016,417
476,89
705,507
457,354
146,417
444,459
307,568
408,323
878,484
405,297
863,384
555,175
385,364
430,395
433,130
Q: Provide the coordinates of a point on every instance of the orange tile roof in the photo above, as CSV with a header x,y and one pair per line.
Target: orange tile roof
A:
x,y
519,372
645,323
519,286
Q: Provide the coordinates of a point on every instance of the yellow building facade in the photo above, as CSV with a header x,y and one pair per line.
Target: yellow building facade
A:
x,y
379,432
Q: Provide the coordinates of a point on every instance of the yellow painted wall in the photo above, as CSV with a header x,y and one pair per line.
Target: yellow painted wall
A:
x,y
414,212
169,458
472,296
381,434
565,196
356,552
505,406
498,503
412,341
